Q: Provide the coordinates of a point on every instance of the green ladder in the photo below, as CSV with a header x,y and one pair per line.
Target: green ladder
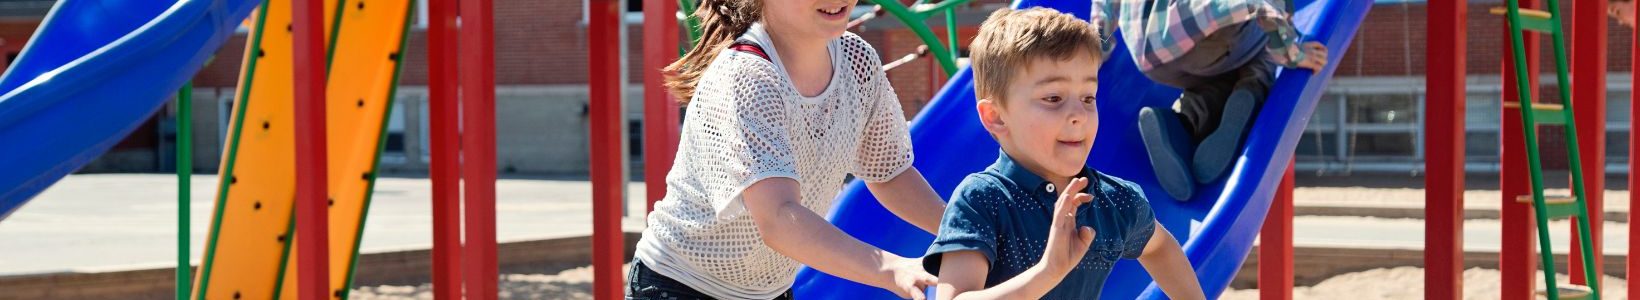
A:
x,y
1533,114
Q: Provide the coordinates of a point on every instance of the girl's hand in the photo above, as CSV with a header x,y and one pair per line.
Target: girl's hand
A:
x,y
1315,56
1067,242
910,280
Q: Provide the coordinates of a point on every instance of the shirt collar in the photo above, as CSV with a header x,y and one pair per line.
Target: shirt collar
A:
x,y
1024,178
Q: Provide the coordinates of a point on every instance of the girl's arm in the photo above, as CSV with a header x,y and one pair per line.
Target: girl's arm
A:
x,y
1165,261
797,232
909,197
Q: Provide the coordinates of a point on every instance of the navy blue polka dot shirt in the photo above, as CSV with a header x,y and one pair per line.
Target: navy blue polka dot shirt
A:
x,y
1005,211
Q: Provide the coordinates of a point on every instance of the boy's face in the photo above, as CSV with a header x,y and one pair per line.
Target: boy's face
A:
x,y
1623,11
1049,118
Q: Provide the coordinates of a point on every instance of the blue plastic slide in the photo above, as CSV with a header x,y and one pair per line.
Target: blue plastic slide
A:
x,y
1217,227
93,72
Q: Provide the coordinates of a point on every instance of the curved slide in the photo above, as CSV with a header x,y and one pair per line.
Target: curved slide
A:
x,y
92,73
1217,227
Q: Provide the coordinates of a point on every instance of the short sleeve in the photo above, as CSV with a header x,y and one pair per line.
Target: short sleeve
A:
x,y
884,150
742,133
970,222
1141,224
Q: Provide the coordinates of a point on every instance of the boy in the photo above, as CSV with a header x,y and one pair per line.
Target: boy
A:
x,y
1223,54
1039,223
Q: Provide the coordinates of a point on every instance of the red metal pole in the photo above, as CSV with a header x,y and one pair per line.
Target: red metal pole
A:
x,y
312,208
477,64
1275,246
603,69
1517,260
1634,157
1444,140
1588,71
660,113
444,110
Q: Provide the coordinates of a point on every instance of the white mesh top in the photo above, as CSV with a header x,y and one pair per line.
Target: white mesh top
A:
x,y
746,123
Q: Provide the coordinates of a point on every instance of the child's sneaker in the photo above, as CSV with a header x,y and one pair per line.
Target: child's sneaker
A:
x,y
1166,143
1219,149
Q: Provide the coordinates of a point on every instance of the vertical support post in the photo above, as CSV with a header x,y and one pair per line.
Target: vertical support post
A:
x,y
477,62
1588,72
1517,259
1275,250
605,83
444,123
660,113
185,172
312,195
1444,142
1634,157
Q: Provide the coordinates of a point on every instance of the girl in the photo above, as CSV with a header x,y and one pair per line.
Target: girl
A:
x,y
783,104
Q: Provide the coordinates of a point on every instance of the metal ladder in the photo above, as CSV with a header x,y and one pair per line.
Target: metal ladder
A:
x,y
1533,114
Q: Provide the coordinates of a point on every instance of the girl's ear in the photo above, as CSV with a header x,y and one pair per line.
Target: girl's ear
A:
x,y
990,115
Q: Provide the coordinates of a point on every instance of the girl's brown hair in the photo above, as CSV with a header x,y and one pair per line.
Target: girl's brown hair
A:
x,y
721,21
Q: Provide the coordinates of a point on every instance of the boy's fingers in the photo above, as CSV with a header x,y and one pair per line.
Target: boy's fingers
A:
x,y
1076,184
1083,198
1087,234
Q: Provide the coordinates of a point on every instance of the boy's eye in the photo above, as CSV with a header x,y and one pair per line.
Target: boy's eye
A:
x,y
1088,99
1053,99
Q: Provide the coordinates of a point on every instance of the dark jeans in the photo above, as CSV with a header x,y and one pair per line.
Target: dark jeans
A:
x,y
643,283
1230,59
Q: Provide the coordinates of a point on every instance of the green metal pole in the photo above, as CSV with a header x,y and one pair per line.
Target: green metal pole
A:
x,y
185,171
914,21
1524,86
1586,238
951,32
690,24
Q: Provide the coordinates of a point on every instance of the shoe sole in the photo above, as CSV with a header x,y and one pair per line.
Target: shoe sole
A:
x,y
1220,148
1169,164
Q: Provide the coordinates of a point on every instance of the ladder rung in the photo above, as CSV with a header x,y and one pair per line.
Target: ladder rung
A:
x,y
1570,292
1543,113
1530,19
1558,206
1536,105
1548,199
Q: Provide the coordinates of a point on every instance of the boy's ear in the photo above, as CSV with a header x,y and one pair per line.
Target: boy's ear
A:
x,y
990,115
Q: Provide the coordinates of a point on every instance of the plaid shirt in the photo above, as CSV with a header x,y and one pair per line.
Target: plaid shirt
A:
x,y
1158,31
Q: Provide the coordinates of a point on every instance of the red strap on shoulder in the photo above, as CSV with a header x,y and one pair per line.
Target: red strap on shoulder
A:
x,y
754,49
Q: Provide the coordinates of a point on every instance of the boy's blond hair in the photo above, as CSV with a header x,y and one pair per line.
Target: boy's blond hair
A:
x,y
1009,39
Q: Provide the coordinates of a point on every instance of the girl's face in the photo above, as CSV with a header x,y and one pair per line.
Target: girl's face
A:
x,y
1623,11
819,19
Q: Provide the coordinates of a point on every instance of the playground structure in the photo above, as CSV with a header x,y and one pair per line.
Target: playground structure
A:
x,y
300,174
96,69
1444,181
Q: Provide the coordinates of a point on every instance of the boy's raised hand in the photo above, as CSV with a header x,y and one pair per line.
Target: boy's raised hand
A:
x,y
1315,56
1068,242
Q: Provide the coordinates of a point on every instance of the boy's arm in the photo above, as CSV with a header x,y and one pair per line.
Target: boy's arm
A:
x,y
1165,261
962,276
910,197
797,232
1067,243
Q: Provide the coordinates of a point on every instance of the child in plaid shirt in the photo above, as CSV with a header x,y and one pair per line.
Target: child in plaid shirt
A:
x,y
1222,54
